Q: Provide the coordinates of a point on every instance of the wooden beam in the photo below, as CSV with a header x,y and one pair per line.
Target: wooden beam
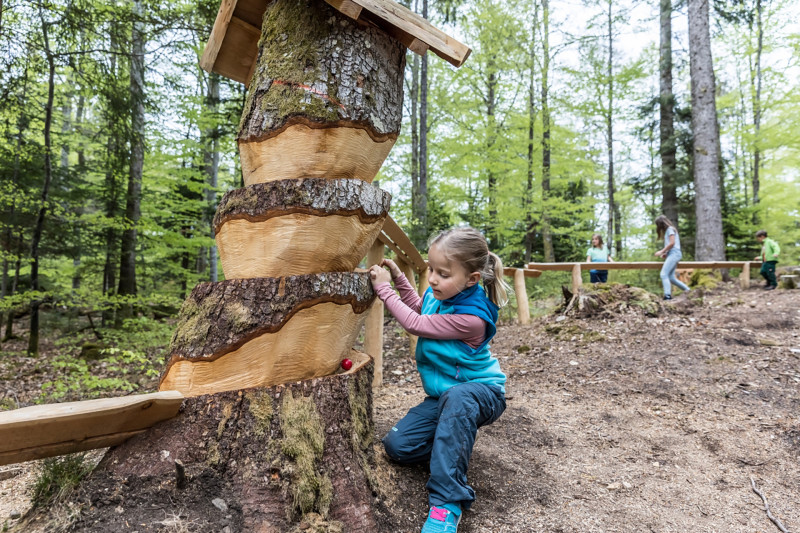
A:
x,y
511,272
396,234
217,36
655,265
577,281
523,311
744,277
373,327
55,429
346,7
399,21
423,282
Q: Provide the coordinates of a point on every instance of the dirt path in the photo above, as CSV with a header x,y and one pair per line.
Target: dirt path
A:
x,y
630,423
622,424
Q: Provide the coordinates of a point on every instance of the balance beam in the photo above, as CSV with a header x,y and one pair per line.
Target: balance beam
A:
x,y
58,429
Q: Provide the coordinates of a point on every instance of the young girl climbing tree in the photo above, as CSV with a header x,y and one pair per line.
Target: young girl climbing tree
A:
x,y
455,320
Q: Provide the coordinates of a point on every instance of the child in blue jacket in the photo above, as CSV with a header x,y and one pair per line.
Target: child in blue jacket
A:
x,y
455,320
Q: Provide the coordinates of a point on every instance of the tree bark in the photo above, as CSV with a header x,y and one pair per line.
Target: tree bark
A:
x,y
669,195
295,457
33,339
528,199
547,236
613,209
417,231
291,227
338,118
211,155
127,262
710,244
244,333
422,199
757,107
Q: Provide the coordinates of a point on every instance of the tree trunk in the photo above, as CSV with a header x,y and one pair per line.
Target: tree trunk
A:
x,y
528,198
757,108
292,227
229,339
33,339
613,208
296,457
422,207
338,119
491,136
669,195
127,262
211,166
547,237
710,244
9,334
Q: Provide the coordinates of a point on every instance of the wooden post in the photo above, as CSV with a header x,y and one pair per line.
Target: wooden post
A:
x,y
409,272
373,328
523,312
576,278
744,277
423,282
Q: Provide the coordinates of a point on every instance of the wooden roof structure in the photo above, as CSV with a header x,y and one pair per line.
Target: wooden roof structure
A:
x,y
232,47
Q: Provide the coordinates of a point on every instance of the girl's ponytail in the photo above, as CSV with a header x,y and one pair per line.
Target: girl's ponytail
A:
x,y
493,282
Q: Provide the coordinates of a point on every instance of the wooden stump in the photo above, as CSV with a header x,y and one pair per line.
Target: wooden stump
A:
x,y
790,281
325,99
258,332
293,227
273,459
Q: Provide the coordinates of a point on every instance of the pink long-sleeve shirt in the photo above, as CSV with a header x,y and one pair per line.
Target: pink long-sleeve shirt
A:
x,y
406,310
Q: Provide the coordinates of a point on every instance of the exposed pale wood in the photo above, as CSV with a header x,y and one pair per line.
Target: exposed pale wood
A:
x,y
293,244
641,265
388,14
396,234
217,36
576,278
294,227
523,311
46,430
373,329
408,270
264,331
744,276
423,282
347,7
302,151
311,344
510,271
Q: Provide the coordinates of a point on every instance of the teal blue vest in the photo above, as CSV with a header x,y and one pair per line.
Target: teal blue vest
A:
x,y
445,363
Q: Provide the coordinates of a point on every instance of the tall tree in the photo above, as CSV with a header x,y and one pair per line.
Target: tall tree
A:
x,y
669,195
614,215
421,201
33,339
127,268
528,197
547,235
709,244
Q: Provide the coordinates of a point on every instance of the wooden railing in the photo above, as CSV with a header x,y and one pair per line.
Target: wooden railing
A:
x,y
410,261
576,268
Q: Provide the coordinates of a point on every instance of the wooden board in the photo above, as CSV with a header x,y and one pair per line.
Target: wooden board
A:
x,y
395,238
48,430
527,272
656,265
233,44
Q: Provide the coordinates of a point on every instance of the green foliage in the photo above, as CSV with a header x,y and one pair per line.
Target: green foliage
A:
x,y
57,477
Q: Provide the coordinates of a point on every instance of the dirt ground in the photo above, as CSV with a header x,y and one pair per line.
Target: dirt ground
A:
x,y
616,423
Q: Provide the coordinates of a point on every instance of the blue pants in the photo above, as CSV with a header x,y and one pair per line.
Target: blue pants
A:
x,y
598,276
444,430
668,272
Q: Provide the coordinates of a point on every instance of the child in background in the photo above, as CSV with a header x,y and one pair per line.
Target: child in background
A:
x,y
598,253
769,258
671,252
454,320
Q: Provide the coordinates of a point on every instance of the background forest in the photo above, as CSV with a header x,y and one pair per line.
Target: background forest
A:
x,y
569,118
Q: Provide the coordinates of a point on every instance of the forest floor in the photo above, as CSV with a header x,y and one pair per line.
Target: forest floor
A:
x,y
617,423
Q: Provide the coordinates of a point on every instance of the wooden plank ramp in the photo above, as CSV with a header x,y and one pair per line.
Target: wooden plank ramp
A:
x,y
232,47
57,429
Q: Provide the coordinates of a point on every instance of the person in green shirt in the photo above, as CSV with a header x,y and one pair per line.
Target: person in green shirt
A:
x,y
598,253
769,258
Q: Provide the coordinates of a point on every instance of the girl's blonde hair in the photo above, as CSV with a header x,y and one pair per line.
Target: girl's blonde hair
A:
x,y
468,247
